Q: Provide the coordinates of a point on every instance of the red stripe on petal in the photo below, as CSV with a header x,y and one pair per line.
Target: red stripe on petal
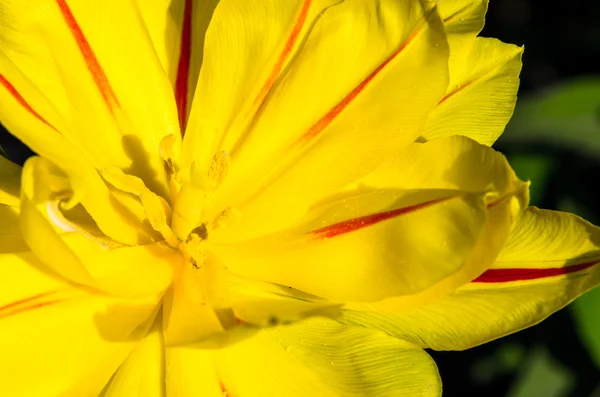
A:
x,y
89,57
19,98
183,68
352,225
508,275
287,49
333,113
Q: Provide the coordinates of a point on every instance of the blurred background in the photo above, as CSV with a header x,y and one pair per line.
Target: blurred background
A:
x,y
554,141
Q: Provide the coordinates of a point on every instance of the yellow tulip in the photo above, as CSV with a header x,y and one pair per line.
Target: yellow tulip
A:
x,y
263,197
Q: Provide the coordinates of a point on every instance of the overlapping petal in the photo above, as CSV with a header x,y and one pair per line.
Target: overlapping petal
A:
x,y
286,152
484,77
43,317
96,77
316,356
550,259
70,243
390,233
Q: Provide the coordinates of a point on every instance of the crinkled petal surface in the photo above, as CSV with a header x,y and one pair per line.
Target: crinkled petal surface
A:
x,y
550,259
484,77
313,357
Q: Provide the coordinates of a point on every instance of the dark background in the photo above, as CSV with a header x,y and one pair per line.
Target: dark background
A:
x,y
562,42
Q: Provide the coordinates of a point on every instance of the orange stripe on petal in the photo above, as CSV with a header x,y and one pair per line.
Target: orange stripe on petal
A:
x,y
508,275
183,68
352,225
453,92
89,57
30,303
333,113
260,100
289,45
19,98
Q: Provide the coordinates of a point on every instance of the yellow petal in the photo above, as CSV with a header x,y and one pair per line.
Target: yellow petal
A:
x,y
77,250
268,304
177,29
241,102
368,246
550,259
58,339
142,374
454,162
386,259
107,62
463,20
314,357
11,239
484,77
108,208
481,95
10,182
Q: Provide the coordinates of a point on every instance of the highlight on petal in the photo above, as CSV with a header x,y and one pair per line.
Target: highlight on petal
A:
x,y
550,259
59,339
383,43
313,357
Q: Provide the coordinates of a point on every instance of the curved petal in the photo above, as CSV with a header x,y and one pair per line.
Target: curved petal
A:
x,y
279,143
367,247
463,20
142,374
99,54
481,95
42,134
550,259
58,339
77,250
214,308
11,239
454,162
314,357
469,197
177,29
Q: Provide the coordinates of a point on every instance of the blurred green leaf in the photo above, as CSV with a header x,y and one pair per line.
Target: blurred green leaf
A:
x,y
586,311
586,308
567,115
542,377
